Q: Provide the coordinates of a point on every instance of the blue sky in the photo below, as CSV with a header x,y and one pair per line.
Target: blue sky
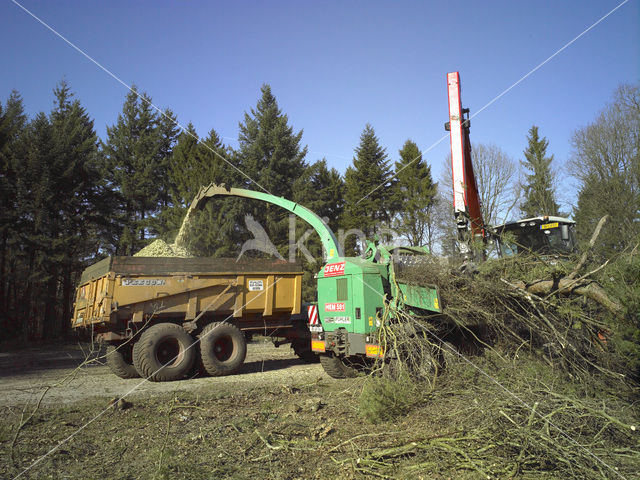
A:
x,y
333,66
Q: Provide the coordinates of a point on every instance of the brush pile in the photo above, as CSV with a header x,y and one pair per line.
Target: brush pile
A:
x,y
526,373
579,317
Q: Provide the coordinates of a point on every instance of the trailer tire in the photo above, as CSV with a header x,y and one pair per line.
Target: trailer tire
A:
x,y
302,348
335,366
223,348
120,360
164,353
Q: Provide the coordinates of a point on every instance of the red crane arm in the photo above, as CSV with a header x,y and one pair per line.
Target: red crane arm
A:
x,y
466,200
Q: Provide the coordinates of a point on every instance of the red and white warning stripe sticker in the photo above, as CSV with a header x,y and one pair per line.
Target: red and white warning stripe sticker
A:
x,y
312,313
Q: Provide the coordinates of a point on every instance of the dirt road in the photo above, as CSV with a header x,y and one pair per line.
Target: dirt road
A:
x,y
26,373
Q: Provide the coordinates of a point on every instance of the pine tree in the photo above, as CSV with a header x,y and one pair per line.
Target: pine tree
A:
x,y
368,190
168,131
12,127
321,189
62,206
271,158
181,184
135,166
539,192
213,231
414,197
81,197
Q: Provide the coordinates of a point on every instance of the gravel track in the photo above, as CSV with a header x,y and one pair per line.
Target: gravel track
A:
x,y
26,373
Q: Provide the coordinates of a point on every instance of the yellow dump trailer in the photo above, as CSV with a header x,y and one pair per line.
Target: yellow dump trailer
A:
x,y
161,316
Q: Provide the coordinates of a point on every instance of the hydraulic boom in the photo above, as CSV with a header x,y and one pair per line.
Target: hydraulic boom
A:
x,y
466,201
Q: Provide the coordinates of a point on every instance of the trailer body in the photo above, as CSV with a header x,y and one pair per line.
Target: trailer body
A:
x,y
119,290
118,299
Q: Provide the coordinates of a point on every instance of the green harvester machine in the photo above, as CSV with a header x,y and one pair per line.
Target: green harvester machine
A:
x,y
354,293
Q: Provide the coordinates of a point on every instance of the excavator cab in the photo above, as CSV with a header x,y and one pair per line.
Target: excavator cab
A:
x,y
543,235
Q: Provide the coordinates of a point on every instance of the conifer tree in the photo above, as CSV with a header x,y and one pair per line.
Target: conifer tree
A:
x,y
414,197
368,190
168,131
321,189
271,158
136,167
12,127
181,184
82,199
193,165
62,205
539,192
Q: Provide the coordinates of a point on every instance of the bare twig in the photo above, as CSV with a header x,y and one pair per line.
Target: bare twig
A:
x,y
592,242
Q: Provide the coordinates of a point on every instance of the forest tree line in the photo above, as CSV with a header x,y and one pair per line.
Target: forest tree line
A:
x,y
70,198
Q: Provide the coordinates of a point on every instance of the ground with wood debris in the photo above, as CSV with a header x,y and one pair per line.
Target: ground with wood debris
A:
x,y
486,417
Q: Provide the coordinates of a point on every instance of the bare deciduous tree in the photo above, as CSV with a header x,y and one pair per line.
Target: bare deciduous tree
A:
x,y
498,187
606,162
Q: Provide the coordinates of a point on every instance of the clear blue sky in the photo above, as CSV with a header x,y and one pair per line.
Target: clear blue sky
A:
x,y
333,66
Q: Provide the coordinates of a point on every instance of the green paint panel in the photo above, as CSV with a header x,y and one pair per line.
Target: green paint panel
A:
x,y
420,297
350,291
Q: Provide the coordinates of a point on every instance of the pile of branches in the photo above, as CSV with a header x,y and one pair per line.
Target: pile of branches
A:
x,y
548,306
474,425
531,368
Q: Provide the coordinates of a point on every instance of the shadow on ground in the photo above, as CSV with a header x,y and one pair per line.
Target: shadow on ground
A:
x,y
44,358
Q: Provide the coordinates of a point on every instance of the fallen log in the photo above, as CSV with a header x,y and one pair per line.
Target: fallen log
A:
x,y
567,286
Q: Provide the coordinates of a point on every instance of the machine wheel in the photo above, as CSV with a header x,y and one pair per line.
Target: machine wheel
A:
x,y
120,360
302,348
164,353
336,367
223,348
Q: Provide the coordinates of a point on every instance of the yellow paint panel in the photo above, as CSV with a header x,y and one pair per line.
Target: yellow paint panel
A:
x,y
549,225
374,350
317,345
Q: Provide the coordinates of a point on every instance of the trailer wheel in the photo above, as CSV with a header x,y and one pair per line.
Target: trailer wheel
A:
x,y
164,353
336,367
120,360
223,348
302,348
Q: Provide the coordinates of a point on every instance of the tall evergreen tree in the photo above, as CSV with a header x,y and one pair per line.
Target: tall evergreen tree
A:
x,y
38,232
12,127
82,199
321,189
539,191
368,190
61,205
414,197
271,159
136,167
195,164
183,180
168,132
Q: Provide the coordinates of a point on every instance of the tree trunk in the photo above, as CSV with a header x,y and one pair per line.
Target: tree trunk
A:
x,y
26,307
50,310
568,286
4,310
67,290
